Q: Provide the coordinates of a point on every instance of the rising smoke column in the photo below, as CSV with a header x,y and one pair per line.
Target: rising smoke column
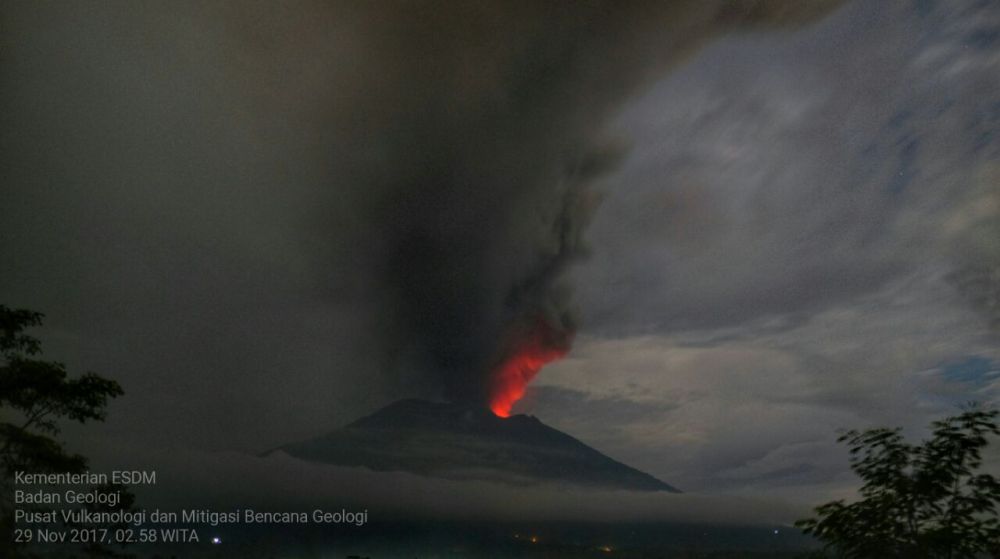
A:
x,y
470,149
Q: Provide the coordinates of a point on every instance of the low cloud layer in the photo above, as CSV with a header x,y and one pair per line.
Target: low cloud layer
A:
x,y
191,479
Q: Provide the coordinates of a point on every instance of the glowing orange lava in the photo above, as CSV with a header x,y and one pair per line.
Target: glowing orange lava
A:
x,y
540,346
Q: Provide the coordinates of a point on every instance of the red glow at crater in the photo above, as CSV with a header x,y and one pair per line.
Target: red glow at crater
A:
x,y
536,347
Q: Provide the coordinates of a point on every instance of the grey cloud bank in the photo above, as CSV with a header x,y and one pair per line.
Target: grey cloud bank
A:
x,y
803,238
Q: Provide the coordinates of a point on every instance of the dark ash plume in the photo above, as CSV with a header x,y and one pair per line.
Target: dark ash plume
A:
x,y
471,148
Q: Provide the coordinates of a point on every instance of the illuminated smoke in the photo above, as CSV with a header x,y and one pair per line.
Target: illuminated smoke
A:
x,y
469,147
531,350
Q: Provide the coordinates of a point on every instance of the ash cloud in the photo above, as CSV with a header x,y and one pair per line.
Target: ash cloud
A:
x,y
239,209
474,156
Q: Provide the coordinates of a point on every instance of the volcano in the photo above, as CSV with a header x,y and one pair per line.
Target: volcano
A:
x,y
461,442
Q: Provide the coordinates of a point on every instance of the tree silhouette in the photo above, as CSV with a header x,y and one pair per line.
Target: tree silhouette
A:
x,y
34,395
917,501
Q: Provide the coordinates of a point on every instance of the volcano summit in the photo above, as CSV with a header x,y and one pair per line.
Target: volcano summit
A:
x,y
454,441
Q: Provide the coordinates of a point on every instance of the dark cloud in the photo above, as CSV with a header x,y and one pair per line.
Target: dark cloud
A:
x,y
268,219
471,160
240,209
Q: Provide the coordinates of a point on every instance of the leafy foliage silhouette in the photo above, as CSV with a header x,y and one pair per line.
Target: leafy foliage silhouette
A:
x,y
34,395
917,501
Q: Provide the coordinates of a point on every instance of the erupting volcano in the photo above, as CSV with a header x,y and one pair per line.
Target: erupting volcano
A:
x,y
540,345
467,442
473,439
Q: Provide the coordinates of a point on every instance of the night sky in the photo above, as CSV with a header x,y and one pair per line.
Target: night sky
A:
x,y
764,221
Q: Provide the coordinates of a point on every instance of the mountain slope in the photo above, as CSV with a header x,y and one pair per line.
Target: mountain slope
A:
x,y
461,442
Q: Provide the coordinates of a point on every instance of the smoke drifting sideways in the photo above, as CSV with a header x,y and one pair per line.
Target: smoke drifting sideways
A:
x,y
469,150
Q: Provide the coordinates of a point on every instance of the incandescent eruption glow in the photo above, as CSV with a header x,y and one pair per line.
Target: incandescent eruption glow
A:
x,y
535,348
